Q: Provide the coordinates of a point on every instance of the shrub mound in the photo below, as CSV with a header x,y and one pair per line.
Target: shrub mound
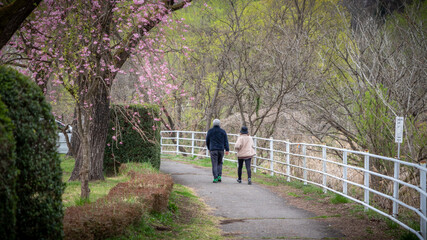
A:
x,y
8,176
124,205
153,192
39,184
99,220
133,136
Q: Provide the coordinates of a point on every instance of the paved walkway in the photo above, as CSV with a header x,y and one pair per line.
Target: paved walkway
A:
x,y
250,211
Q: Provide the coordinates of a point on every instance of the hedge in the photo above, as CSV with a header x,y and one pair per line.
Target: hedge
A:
x,y
8,176
133,136
39,184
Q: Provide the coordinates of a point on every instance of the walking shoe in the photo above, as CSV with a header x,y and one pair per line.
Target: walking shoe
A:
x,y
249,181
215,180
239,181
219,178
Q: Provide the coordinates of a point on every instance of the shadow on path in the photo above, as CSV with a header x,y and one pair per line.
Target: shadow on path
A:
x,y
249,211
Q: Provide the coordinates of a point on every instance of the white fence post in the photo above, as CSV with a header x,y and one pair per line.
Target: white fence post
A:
x,y
271,157
423,206
396,189
324,169
366,180
255,145
288,168
192,144
304,163
177,142
207,151
344,174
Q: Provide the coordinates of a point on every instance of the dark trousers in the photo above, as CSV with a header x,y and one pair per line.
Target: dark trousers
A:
x,y
248,167
216,158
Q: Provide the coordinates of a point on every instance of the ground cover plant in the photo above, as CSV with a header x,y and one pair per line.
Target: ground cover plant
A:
x,y
342,214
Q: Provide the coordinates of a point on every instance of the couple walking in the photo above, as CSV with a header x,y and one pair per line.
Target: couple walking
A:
x,y
217,142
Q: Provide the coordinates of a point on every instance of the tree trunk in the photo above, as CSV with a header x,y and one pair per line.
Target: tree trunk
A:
x,y
213,103
98,133
83,128
84,170
67,139
11,17
98,136
241,109
75,139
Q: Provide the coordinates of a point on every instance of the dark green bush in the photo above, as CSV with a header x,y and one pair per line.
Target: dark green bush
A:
x,y
39,184
7,176
137,136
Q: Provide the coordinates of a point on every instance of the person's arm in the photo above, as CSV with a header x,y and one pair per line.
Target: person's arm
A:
x,y
238,143
227,147
208,140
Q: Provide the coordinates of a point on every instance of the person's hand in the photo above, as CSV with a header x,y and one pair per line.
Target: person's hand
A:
x,y
226,153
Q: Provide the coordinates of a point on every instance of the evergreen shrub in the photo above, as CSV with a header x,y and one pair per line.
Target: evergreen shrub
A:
x,y
7,176
39,184
133,136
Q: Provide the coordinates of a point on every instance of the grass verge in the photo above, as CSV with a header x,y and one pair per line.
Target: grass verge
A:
x,y
98,189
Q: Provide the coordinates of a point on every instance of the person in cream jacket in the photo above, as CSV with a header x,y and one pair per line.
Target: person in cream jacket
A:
x,y
245,151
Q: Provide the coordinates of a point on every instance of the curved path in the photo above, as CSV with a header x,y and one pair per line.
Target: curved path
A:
x,y
249,211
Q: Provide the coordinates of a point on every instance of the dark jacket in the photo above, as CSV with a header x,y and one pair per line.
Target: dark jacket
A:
x,y
217,139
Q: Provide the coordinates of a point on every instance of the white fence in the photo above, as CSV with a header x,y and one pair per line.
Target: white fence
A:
x,y
345,172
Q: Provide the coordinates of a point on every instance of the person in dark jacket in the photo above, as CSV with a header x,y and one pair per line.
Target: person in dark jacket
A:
x,y
217,142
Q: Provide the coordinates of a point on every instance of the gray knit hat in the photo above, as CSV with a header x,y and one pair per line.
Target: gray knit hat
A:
x,y
216,122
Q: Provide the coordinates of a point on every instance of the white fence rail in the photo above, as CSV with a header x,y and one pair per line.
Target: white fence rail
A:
x,y
345,172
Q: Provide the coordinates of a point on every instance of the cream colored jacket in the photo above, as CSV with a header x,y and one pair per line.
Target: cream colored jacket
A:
x,y
244,146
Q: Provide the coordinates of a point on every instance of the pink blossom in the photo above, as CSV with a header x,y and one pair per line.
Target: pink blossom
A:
x,y
138,1
76,47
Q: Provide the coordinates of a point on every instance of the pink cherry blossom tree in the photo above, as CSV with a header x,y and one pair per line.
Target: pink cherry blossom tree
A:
x,y
82,45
